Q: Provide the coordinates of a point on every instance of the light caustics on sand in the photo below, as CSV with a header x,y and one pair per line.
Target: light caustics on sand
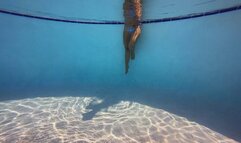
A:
x,y
60,120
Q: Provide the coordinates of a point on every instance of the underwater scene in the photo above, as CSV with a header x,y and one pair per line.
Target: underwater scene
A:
x,y
120,71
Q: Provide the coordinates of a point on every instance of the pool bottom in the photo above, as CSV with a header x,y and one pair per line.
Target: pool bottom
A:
x,y
60,119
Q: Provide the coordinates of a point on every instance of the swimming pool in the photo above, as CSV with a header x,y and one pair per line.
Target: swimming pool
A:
x,y
65,81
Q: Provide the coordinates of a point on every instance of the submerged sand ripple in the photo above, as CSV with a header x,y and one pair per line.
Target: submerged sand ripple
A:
x,y
54,120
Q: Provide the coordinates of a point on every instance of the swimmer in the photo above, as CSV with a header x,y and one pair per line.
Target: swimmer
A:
x,y
132,29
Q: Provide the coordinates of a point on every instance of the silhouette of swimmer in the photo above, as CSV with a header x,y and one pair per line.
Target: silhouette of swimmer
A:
x,y
132,30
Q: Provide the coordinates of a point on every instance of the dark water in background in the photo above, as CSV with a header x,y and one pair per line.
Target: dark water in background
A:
x,y
190,68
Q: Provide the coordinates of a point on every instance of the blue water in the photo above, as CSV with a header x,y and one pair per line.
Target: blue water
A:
x,y
190,68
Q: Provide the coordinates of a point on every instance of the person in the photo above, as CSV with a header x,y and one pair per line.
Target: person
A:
x,y
132,29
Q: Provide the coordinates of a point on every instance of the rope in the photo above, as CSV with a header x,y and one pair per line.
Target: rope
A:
x,y
109,22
